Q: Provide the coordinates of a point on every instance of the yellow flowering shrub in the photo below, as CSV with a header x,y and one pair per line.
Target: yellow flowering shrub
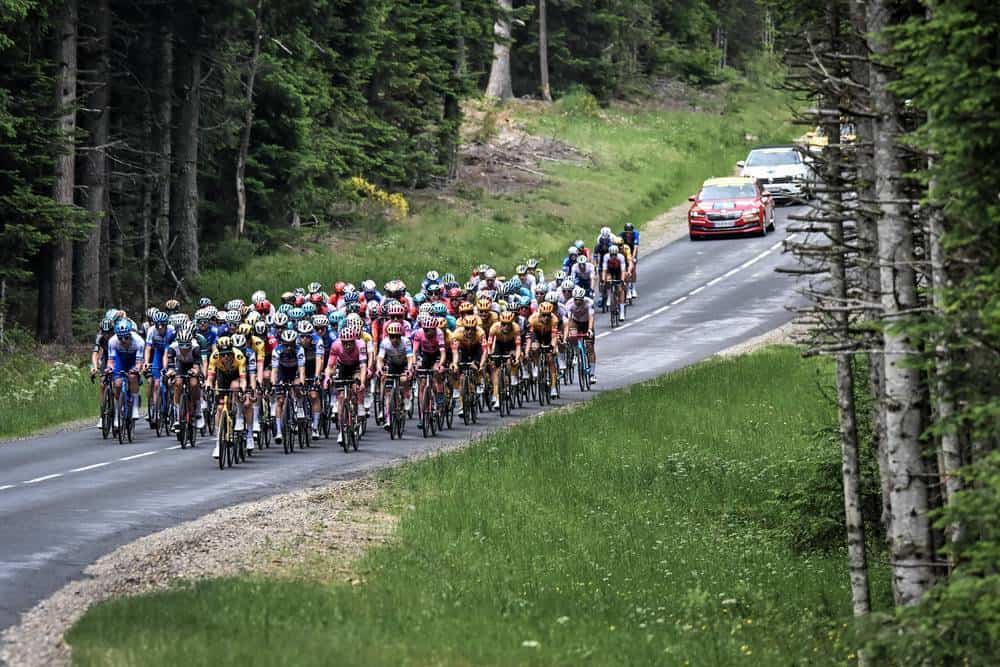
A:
x,y
394,201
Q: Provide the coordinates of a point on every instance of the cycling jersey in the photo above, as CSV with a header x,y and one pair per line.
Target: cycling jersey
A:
x,y
543,328
613,265
504,339
312,349
341,355
101,345
395,357
580,312
286,360
583,275
124,355
182,361
158,342
210,334
228,367
631,238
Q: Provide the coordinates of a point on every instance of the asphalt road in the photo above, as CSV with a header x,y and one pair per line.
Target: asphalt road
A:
x,y
67,499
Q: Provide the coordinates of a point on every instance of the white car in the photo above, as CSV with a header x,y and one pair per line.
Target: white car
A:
x,y
780,170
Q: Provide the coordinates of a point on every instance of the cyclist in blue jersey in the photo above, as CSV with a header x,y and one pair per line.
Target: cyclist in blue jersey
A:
x,y
158,339
125,355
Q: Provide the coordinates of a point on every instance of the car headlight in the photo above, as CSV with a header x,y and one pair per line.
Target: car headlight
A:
x,y
751,216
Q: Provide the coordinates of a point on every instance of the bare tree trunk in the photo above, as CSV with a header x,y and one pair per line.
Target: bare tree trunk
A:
x,y
95,172
3,311
61,326
499,86
452,103
543,50
164,123
185,212
241,158
910,546
460,56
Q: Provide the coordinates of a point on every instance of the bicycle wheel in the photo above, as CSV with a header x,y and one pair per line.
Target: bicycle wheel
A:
x,y
425,410
324,415
182,421
344,423
221,440
613,298
107,412
287,432
569,355
543,382
583,374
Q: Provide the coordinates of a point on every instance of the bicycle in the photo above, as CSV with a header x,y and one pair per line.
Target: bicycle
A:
x,y
544,377
285,392
569,360
126,428
613,295
325,410
303,415
583,361
266,419
470,399
226,428
347,417
164,406
186,432
506,400
397,410
107,404
207,413
427,402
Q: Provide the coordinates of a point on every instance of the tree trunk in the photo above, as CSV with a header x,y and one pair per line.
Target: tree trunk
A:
x,y
499,86
460,56
164,124
95,172
452,101
910,544
241,158
61,329
543,50
184,231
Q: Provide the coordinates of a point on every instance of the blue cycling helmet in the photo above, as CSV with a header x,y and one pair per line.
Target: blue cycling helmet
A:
x,y
123,328
525,301
296,314
440,310
111,314
160,317
107,325
309,308
285,308
350,297
419,298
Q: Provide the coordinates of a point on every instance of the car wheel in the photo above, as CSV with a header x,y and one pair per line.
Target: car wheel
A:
x,y
770,225
693,237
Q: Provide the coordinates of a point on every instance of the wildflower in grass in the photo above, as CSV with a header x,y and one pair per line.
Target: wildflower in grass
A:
x,y
530,643
562,620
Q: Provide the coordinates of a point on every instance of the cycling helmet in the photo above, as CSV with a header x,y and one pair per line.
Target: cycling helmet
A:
x,y
280,319
439,309
305,327
239,340
224,345
532,264
455,293
316,299
484,303
470,286
350,297
395,309
233,304
491,274
204,301
123,328
507,317
433,276
521,269
368,285
245,310
394,329
287,297
252,316
419,298
567,285
260,328
171,305
320,321
579,244
560,276
613,249
629,227
288,336
579,293
299,291
353,307
285,308
470,321
233,317
350,334
184,338
151,313
337,318
605,232
435,288
314,287
483,268
524,301
201,316
269,320
552,297
245,329
466,308
296,314
541,289
258,296
581,259
448,278
427,321
309,309
573,250
177,320
349,287
354,320
160,318
107,326
546,308
211,312
425,308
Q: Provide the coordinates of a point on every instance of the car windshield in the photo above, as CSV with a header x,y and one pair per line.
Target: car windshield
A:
x,y
773,158
728,191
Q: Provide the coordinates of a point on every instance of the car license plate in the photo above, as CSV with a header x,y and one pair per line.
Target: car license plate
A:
x,y
724,223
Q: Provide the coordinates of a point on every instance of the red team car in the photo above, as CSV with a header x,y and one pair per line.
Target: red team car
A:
x,y
734,205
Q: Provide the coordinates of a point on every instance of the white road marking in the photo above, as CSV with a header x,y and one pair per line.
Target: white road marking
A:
x,y
730,273
603,334
7,486
43,478
696,290
644,318
714,281
91,467
661,309
167,449
678,300
137,456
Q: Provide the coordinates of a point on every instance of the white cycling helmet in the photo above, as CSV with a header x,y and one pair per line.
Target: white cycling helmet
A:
x,y
567,284
579,293
605,232
582,259
613,250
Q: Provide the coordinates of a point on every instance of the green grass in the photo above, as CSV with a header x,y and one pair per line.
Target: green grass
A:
x,y
37,393
645,162
613,534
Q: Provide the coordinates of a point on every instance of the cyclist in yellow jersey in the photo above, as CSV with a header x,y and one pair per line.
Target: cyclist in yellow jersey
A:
x,y
468,346
505,338
227,369
543,329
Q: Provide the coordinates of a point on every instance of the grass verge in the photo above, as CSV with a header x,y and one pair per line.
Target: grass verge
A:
x,y
645,161
616,533
37,393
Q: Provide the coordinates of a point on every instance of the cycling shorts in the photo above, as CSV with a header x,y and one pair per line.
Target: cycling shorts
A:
x,y
286,375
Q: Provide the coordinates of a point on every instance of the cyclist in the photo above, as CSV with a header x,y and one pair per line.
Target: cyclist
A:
x,y
505,339
184,358
582,248
468,347
288,361
395,357
125,356
99,355
630,239
160,336
428,346
570,260
227,369
615,268
315,353
584,275
348,359
580,323
600,252
543,329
